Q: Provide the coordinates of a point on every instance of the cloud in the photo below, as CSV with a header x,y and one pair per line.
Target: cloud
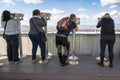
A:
x,y
113,6
109,2
113,13
94,3
33,1
86,19
53,11
9,2
81,9
83,16
99,15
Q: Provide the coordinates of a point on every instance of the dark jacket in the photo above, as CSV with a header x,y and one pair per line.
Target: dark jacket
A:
x,y
107,26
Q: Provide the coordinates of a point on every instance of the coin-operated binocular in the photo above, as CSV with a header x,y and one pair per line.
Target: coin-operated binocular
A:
x,y
78,21
18,16
100,18
46,15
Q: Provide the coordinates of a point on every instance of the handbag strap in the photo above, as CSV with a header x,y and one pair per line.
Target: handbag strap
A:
x,y
5,27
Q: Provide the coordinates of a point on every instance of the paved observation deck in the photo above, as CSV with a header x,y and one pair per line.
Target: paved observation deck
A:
x,y
87,49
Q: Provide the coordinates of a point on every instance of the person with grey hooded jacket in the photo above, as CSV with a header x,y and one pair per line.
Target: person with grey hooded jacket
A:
x,y
12,30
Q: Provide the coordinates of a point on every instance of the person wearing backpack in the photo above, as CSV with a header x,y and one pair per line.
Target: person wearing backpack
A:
x,y
64,27
107,38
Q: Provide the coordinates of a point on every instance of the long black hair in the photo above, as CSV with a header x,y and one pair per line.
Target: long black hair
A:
x,y
6,15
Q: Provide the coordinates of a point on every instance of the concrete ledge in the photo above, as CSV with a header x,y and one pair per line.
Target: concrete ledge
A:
x,y
86,44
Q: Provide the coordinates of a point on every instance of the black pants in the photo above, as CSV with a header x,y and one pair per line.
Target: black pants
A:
x,y
12,47
62,41
107,40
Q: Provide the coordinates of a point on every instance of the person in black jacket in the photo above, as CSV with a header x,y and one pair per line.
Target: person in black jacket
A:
x,y
107,38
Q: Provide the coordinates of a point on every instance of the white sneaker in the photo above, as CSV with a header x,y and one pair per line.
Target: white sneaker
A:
x,y
43,61
1,64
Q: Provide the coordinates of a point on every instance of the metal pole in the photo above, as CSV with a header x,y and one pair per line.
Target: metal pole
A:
x,y
48,57
73,41
73,57
20,45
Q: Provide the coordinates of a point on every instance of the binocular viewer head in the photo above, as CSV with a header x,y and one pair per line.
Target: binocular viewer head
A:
x,y
18,16
46,15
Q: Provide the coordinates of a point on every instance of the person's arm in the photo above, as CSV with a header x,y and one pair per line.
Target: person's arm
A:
x,y
99,24
42,22
76,28
113,24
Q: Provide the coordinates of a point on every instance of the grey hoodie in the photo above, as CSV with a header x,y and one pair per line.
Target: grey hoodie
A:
x,y
12,27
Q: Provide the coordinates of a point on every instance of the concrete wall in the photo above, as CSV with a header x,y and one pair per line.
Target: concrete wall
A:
x,y
86,44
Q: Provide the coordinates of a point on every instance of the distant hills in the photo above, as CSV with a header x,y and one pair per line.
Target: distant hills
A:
x,y
85,28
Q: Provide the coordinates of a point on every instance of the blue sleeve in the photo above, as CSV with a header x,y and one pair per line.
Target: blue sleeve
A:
x,y
73,25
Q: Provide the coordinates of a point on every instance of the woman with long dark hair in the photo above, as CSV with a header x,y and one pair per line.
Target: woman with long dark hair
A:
x,y
12,31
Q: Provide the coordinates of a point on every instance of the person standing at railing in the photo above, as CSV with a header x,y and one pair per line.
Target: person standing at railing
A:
x,y
37,23
62,39
11,30
107,38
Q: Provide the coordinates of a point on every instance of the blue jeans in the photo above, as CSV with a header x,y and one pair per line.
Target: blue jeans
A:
x,y
36,40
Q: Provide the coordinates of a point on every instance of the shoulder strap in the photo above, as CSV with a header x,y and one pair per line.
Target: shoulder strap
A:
x,y
5,27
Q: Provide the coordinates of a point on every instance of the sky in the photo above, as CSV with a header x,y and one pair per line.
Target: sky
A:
x,y
87,10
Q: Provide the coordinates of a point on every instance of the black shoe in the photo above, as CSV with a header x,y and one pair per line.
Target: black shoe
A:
x,y
100,64
111,65
60,57
65,64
